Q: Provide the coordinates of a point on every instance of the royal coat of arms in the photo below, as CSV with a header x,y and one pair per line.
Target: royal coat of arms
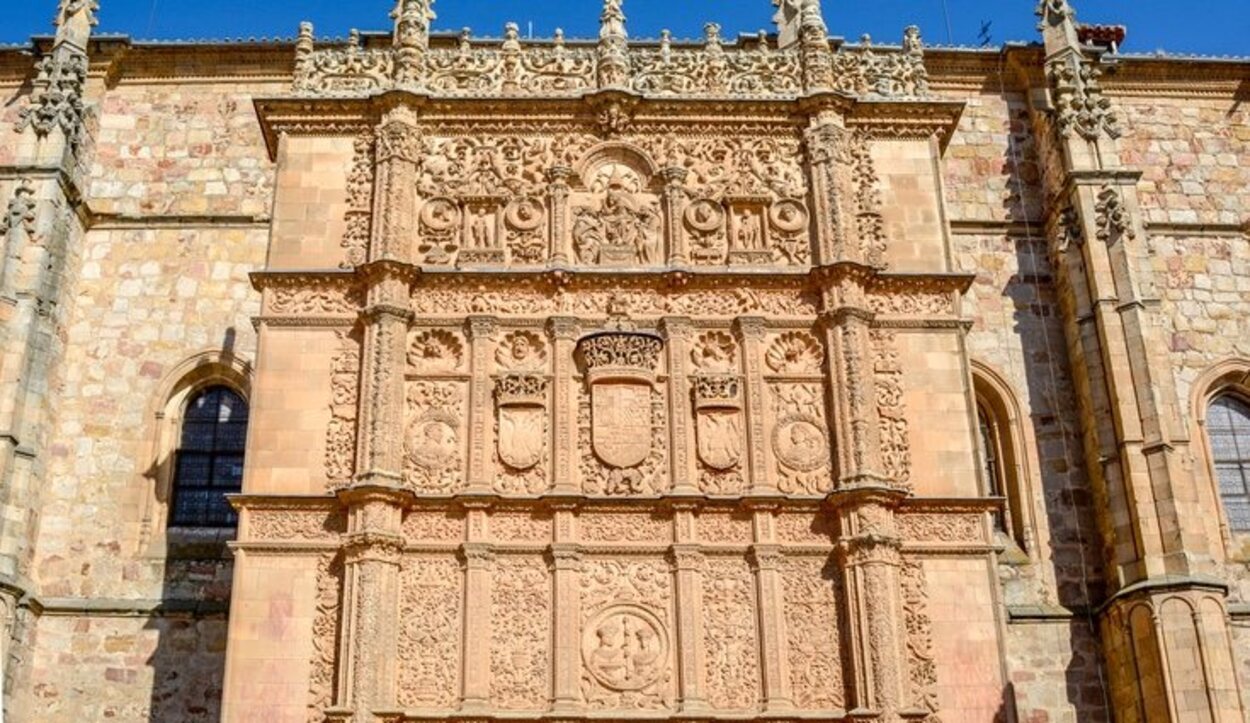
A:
x,y
620,368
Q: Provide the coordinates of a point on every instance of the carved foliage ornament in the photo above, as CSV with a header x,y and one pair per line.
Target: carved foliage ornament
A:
x,y
891,409
1080,106
1111,216
430,631
57,99
344,394
18,222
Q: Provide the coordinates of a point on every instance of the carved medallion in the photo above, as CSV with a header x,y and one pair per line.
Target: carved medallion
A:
x,y
800,443
433,440
626,648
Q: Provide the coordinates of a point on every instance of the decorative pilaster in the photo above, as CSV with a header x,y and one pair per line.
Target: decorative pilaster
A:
x,y
558,193
688,566
678,333
828,150
386,318
674,208
765,559
479,563
369,650
481,330
750,332
566,566
564,333
852,382
870,560
395,191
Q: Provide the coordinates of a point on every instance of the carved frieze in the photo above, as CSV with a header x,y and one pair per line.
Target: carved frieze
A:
x,y
800,438
325,637
521,631
626,638
891,408
434,441
813,646
430,629
922,666
730,641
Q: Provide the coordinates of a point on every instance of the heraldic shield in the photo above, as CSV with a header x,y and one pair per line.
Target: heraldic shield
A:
x,y
620,368
521,400
718,420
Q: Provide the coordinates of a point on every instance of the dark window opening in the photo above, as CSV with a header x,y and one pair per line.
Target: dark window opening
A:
x,y
1228,427
209,462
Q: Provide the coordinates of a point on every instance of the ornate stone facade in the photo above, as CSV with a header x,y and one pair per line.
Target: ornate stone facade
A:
x,y
613,379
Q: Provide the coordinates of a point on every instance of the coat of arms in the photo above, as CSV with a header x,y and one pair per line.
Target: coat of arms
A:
x,y
521,400
620,368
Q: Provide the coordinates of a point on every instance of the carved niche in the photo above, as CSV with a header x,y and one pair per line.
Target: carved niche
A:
x,y
617,220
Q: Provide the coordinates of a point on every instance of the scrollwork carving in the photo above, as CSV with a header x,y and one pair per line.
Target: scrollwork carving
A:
x,y
520,632
626,650
813,641
340,459
434,449
430,630
891,409
800,439
922,665
729,635
325,637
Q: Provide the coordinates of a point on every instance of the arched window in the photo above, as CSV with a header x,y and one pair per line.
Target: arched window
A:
x,y
1228,425
992,457
208,464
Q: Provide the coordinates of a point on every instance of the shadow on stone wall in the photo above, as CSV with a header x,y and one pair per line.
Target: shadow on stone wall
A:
x,y
189,655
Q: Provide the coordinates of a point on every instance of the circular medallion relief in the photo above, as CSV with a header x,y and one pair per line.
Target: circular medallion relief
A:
x,y
800,443
705,216
440,214
524,214
432,441
788,216
625,648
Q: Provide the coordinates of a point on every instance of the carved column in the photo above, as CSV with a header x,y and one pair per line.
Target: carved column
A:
x,y
688,563
481,413
395,186
851,382
828,144
765,559
674,207
869,555
369,648
479,564
750,332
564,332
678,332
386,318
566,565
558,194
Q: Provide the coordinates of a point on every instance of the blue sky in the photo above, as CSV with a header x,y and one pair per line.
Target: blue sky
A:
x,y
1211,27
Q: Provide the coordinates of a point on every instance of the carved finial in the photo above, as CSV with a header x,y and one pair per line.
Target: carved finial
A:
x,y
865,40
559,38
1058,26
511,35
711,33
465,43
72,10
913,44
613,46
666,44
353,39
412,37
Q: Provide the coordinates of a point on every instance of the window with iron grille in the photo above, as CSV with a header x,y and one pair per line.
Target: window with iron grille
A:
x,y
209,462
1228,425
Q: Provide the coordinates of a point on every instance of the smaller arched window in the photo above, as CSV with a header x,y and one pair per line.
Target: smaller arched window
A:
x,y
208,464
992,456
1228,425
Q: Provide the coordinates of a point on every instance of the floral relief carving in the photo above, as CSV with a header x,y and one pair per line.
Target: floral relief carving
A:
x,y
320,298
626,638
340,460
435,352
520,526
295,525
730,641
17,224
520,631
351,70
800,440
434,526
804,528
430,630
891,408
605,527
434,444
1080,105
724,528
813,645
795,353
1111,216
922,666
359,215
325,637
949,527
56,99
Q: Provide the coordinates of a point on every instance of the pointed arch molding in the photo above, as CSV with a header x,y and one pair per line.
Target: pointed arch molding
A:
x,y
1230,376
1018,443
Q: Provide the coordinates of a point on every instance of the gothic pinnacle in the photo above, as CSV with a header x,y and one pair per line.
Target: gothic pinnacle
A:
x,y
613,46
